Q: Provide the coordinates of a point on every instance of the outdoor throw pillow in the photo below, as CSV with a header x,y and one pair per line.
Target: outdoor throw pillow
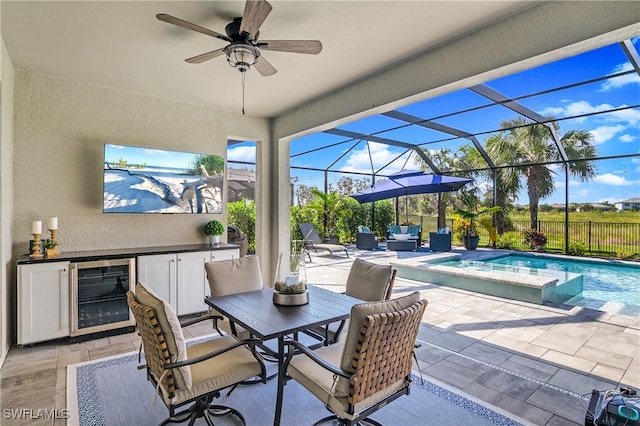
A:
x,y
172,331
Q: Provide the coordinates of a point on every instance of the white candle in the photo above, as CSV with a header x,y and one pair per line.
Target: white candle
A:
x,y
53,223
37,227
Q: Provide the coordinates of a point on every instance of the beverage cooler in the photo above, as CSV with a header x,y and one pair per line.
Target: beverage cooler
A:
x,y
99,295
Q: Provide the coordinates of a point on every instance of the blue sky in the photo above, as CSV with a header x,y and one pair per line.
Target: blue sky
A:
x,y
150,157
615,133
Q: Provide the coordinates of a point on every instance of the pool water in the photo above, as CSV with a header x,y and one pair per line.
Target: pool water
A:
x,y
608,287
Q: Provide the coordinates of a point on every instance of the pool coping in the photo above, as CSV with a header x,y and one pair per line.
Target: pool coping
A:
x,y
537,289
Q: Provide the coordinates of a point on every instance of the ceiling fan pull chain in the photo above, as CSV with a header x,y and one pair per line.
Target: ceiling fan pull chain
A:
x,y
243,76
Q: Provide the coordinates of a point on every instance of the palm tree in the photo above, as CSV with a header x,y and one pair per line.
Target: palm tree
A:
x,y
444,160
532,146
331,205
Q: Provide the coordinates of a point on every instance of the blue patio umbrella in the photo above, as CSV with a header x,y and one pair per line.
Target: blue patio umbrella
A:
x,y
410,182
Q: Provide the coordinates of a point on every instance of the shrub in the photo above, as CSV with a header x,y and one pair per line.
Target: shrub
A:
x,y
509,241
242,214
577,248
462,226
536,239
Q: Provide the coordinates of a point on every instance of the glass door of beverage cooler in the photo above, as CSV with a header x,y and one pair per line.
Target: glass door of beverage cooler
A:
x,y
98,295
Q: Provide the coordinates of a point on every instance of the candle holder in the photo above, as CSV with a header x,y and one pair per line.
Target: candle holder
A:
x,y
54,240
36,246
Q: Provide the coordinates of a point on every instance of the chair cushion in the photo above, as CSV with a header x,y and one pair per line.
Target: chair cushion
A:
x,y
234,275
364,229
172,331
357,316
394,229
218,372
333,392
368,281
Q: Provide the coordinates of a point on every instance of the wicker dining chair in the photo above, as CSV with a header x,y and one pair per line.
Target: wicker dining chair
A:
x,y
370,369
366,281
194,374
231,276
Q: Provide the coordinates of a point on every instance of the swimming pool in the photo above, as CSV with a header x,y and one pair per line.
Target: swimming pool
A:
x,y
607,286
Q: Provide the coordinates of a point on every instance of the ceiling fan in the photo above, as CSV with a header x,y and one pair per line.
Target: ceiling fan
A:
x,y
244,48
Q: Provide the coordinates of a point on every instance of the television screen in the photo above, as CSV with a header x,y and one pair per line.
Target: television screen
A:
x,y
146,180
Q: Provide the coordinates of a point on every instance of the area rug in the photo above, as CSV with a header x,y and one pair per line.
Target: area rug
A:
x,y
113,391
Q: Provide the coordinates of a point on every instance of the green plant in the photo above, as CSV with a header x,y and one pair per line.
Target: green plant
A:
x,y
213,227
509,241
242,214
50,244
332,206
577,248
469,217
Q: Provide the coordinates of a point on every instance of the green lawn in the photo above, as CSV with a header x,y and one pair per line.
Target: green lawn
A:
x,y
593,216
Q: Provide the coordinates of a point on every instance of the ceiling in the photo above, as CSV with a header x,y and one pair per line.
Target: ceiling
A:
x,y
121,44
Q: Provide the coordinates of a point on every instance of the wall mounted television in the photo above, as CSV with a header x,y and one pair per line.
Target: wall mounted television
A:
x,y
147,180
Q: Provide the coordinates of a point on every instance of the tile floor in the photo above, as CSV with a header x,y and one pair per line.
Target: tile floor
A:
x,y
534,361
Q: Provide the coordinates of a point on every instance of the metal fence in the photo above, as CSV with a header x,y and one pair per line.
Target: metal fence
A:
x,y
596,238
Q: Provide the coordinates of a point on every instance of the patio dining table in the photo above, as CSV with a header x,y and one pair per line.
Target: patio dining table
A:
x,y
256,312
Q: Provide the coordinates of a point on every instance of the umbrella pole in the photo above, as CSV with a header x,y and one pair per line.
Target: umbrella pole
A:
x,y
397,212
406,209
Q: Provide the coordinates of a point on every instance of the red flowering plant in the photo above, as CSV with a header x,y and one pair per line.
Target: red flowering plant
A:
x,y
536,239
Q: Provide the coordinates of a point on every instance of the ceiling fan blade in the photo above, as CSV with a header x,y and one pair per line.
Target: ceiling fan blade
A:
x,y
188,25
205,56
255,12
311,47
264,67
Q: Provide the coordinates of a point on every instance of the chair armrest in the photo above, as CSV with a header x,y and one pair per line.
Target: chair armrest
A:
x,y
251,342
315,358
200,319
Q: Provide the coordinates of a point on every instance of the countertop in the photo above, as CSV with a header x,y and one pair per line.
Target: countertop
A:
x,y
86,256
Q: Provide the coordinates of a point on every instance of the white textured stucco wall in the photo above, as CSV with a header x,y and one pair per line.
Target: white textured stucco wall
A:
x,y
61,127
6,202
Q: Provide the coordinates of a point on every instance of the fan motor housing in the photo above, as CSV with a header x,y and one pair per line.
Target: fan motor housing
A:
x,y
233,30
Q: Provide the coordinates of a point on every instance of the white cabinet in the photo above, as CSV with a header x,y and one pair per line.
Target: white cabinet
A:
x,y
43,301
180,278
158,273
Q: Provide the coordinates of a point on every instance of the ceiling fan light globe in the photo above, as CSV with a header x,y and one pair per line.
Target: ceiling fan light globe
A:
x,y
241,57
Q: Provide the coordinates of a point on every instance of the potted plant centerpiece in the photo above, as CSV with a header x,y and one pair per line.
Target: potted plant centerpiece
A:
x,y
50,248
213,229
467,225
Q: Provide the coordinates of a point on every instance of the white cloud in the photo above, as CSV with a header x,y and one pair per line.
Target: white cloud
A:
x,y
604,134
628,117
358,160
618,82
614,180
627,138
242,153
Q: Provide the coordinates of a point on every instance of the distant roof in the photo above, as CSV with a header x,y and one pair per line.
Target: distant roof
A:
x,y
241,180
631,200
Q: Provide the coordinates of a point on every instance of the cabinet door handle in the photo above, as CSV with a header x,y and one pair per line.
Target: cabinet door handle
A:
x,y
74,289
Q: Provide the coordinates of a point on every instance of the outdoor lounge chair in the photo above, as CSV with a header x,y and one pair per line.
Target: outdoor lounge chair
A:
x,y
313,241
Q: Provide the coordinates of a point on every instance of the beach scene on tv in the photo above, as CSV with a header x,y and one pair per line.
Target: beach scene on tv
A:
x,y
145,180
